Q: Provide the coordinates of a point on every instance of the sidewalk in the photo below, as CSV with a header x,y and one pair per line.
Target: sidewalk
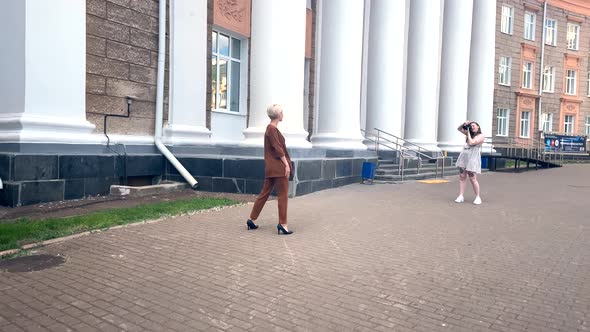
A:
x,y
364,258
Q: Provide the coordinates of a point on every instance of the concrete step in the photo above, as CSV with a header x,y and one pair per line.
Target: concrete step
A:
x,y
409,163
387,169
392,178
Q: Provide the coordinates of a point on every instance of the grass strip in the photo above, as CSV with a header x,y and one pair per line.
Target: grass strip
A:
x,y
18,232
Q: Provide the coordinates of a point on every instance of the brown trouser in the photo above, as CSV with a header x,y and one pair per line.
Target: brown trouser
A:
x,y
282,186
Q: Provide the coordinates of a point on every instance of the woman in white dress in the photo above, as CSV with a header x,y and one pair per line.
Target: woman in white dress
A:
x,y
469,161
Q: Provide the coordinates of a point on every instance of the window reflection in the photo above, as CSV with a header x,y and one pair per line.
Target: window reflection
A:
x,y
213,82
222,83
225,72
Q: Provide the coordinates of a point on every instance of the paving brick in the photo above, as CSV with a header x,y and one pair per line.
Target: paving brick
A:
x,y
361,264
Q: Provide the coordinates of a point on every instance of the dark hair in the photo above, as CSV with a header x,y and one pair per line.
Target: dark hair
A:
x,y
478,129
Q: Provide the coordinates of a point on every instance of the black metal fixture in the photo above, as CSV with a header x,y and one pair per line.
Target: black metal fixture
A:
x,y
129,102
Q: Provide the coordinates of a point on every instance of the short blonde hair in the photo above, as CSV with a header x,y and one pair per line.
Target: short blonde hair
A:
x,y
273,111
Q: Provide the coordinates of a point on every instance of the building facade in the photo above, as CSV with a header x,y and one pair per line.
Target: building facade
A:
x,y
542,66
87,93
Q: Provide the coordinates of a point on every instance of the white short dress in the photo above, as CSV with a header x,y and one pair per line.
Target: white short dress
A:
x,y
470,158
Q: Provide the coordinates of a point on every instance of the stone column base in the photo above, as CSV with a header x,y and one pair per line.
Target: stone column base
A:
x,y
431,146
185,135
22,128
254,136
451,146
338,141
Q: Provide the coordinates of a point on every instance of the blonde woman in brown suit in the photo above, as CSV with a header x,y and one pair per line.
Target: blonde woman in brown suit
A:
x,y
277,168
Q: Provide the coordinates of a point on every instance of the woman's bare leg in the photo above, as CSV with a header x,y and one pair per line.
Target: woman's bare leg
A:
x,y
462,182
474,183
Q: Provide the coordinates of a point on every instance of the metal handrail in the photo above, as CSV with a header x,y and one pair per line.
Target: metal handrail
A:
x,y
386,145
406,143
529,148
401,156
403,149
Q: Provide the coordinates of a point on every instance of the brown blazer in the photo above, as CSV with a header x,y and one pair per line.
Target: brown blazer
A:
x,y
274,149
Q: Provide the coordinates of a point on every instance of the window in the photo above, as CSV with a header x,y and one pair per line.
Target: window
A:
x,y
589,84
504,70
529,25
527,72
525,124
570,82
568,124
225,72
507,19
502,118
548,79
573,36
547,122
587,126
550,32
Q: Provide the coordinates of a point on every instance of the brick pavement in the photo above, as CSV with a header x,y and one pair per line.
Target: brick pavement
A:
x,y
363,258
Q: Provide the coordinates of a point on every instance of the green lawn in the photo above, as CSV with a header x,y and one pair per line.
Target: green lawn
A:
x,y
18,232
510,163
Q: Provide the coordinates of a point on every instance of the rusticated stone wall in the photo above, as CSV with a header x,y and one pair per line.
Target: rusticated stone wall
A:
x,y
122,56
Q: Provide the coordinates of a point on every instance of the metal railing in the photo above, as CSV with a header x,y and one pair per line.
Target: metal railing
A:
x,y
405,150
530,149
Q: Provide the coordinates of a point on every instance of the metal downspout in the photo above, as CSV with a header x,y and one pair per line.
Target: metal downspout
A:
x,y
539,114
160,98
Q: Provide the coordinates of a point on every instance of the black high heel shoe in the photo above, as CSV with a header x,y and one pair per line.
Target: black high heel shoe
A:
x,y
251,224
280,229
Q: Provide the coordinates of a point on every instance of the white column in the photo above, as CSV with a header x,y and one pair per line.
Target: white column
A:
x,y
340,76
277,69
188,73
43,72
365,62
385,81
454,73
480,103
424,49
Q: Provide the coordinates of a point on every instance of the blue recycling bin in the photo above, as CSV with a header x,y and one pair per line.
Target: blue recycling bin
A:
x,y
484,162
368,172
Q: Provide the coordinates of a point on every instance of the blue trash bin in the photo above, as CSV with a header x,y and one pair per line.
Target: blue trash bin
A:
x,y
484,162
368,172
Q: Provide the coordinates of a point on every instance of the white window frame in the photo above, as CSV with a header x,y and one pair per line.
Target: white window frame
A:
x,y
504,70
570,82
530,20
547,121
573,36
549,79
550,31
243,74
587,125
527,75
525,124
507,22
503,121
568,127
